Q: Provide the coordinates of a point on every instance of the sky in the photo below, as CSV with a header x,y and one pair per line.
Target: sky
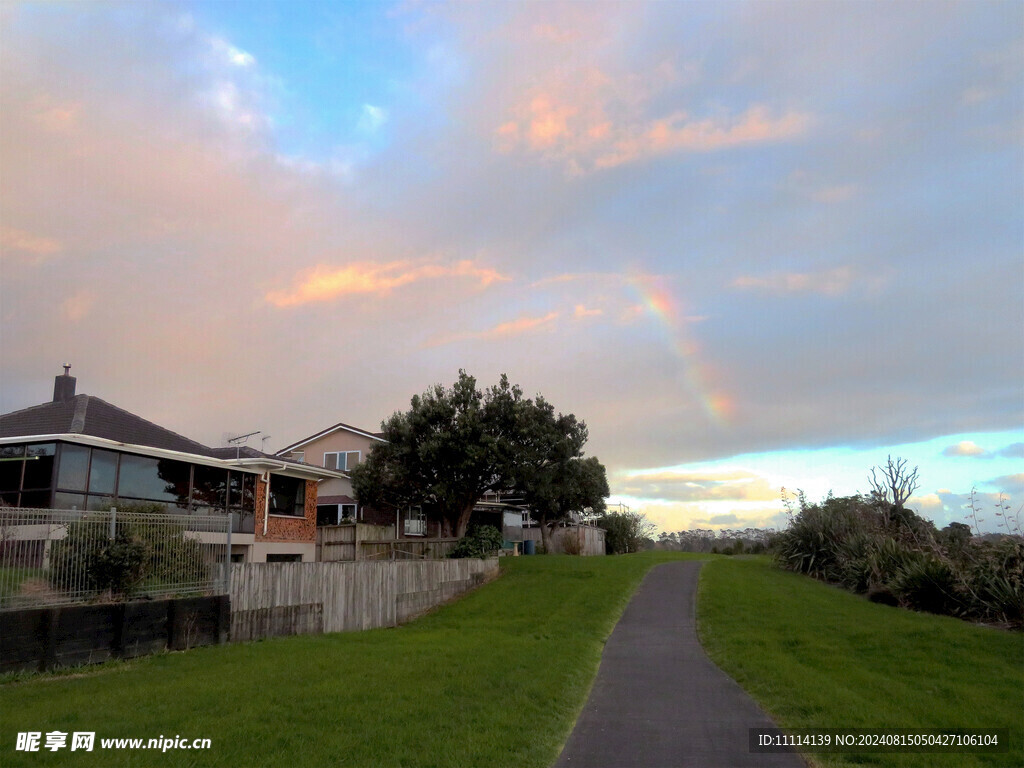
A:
x,y
752,245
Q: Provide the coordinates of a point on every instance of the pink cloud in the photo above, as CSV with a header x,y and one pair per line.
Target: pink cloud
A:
x,y
581,311
589,120
517,327
26,246
324,283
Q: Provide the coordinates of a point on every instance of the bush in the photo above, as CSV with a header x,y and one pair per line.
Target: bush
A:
x,y
624,531
481,541
897,557
926,583
143,553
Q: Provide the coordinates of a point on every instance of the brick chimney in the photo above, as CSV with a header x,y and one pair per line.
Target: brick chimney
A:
x,y
64,386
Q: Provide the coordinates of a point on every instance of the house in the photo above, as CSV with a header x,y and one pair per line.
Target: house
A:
x,y
81,452
342,447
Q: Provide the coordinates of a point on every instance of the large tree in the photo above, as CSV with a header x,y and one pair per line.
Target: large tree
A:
x,y
450,448
550,472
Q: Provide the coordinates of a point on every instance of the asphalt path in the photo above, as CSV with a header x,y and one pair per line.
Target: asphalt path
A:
x,y
658,700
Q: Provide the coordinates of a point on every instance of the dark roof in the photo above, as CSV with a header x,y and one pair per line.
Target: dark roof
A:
x,y
245,452
88,415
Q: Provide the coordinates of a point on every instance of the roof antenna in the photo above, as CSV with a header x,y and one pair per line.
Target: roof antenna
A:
x,y
239,440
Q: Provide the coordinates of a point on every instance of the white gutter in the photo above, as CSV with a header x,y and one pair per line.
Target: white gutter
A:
x,y
305,471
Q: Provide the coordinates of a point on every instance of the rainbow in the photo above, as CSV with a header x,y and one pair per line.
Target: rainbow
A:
x,y
659,304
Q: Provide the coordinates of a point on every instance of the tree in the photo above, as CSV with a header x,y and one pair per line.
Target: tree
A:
x,y
450,448
548,468
895,484
625,531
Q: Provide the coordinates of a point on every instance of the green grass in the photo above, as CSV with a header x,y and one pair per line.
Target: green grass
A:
x,y
815,656
497,678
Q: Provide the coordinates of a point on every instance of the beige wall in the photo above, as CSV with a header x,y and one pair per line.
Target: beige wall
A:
x,y
339,440
336,486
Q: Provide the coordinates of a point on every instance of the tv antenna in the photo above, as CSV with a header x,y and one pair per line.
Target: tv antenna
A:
x,y
239,440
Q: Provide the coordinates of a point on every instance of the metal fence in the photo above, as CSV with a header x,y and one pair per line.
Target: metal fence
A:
x,y
52,557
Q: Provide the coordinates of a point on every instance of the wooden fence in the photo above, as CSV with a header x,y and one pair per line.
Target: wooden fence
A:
x,y
272,599
587,539
361,541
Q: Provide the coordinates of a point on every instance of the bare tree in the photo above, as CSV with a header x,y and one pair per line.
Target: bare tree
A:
x,y
893,483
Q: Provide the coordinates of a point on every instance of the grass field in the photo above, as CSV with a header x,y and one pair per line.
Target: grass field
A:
x,y
495,679
816,656
498,678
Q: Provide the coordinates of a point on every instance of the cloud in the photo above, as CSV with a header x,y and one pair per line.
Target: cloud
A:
x,y
581,311
585,138
372,118
517,327
965,448
25,246
1011,484
230,54
77,307
325,283
1012,451
698,486
835,282
724,519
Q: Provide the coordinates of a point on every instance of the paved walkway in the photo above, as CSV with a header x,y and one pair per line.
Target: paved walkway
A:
x,y
659,701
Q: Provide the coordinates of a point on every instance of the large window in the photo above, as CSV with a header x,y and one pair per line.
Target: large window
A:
x,y
96,479
341,460
26,474
287,496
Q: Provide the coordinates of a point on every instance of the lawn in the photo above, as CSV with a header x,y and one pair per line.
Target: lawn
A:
x,y
815,656
498,677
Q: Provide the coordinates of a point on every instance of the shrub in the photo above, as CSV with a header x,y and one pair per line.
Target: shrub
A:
x,y
571,544
624,531
926,583
87,558
143,553
481,541
995,581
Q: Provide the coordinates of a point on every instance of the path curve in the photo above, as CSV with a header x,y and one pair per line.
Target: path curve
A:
x,y
658,700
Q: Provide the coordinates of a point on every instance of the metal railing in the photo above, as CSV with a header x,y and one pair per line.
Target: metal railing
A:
x,y
51,557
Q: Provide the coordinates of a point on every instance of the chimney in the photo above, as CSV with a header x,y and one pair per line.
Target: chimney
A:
x,y
64,386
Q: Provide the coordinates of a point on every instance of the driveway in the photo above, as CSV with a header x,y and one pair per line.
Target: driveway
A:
x,y
659,701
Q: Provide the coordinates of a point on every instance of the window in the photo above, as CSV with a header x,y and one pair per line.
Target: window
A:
x,y
332,514
282,558
143,477
38,466
298,455
344,461
73,473
415,522
103,471
26,474
287,496
209,488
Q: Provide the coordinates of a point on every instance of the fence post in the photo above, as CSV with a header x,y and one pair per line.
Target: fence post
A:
x,y
113,522
227,560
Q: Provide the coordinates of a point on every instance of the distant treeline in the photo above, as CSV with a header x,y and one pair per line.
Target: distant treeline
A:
x,y
726,541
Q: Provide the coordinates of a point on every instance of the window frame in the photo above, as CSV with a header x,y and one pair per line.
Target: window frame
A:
x,y
336,454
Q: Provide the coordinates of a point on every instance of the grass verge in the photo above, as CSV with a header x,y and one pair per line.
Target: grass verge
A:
x,y
815,656
497,678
